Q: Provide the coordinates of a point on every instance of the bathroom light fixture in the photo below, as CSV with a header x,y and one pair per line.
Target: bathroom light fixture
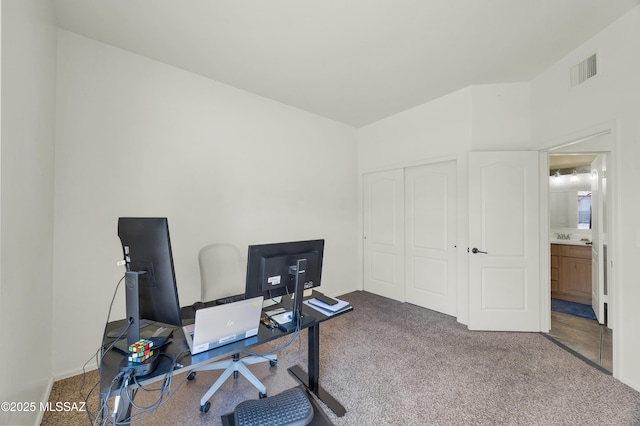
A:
x,y
574,176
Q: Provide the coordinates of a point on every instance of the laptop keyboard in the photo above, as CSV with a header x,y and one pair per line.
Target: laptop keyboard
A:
x,y
230,299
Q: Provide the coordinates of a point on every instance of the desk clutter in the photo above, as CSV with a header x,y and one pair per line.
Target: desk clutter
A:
x,y
140,351
327,305
142,354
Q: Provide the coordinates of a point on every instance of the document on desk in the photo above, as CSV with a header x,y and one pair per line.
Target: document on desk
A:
x,y
326,309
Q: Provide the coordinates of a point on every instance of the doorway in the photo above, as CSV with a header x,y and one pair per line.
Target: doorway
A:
x,y
580,192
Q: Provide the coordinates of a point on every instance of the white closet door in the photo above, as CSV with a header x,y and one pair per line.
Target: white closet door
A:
x,y
430,207
383,222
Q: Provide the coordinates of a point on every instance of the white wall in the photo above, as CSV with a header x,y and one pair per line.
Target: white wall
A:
x,y
139,138
558,113
438,128
488,117
501,117
26,198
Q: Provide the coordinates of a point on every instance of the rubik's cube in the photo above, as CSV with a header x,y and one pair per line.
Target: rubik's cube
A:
x,y
140,351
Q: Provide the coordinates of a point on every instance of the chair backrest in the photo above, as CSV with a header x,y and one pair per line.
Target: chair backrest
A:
x,y
221,271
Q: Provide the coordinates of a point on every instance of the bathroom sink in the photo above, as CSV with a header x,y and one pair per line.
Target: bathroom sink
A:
x,y
569,242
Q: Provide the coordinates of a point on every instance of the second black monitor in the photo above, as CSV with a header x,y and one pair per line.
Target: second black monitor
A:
x,y
271,267
147,249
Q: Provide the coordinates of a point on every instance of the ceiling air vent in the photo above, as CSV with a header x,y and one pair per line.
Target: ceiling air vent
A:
x,y
584,70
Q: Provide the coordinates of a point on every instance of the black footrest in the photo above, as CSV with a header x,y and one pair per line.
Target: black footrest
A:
x,y
291,408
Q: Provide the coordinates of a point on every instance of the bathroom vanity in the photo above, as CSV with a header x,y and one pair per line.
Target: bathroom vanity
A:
x,y
571,272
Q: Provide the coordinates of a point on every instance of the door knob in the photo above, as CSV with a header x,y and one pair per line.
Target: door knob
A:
x,y
475,250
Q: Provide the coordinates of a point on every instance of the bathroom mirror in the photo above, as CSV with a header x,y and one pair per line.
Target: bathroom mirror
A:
x,y
570,209
570,199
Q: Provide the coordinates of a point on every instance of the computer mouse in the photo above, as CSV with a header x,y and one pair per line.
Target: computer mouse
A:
x,y
198,305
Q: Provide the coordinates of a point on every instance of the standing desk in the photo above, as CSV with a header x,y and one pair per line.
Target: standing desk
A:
x,y
178,350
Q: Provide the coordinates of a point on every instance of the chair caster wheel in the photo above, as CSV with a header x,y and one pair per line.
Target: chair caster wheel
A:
x,y
191,375
205,408
262,395
273,363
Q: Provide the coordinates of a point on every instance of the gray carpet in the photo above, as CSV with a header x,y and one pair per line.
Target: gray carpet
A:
x,y
391,363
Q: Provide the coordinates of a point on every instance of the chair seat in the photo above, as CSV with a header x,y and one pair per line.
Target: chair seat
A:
x,y
291,408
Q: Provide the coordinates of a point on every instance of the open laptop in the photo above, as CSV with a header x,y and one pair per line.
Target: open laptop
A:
x,y
223,324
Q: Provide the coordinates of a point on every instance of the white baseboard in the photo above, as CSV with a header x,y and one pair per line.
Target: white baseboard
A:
x,y
629,383
65,375
45,397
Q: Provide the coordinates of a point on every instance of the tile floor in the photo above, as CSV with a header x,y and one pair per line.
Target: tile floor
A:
x,y
586,337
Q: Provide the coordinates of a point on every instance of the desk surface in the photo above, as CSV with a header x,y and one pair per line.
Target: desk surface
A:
x,y
176,356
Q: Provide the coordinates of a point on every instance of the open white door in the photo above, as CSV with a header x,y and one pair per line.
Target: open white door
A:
x,y
504,255
597,237
383,248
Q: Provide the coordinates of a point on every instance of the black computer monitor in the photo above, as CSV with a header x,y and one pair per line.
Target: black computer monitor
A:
x,y
269,271
147,253
272,270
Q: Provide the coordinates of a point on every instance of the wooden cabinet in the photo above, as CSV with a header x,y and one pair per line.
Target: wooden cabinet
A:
x,y
571,273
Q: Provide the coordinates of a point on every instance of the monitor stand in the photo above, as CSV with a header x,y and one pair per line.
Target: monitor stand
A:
x,y
296,320
286,321
132,295
140,369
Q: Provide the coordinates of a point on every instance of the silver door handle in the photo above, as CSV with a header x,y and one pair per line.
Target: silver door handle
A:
x,y
475,251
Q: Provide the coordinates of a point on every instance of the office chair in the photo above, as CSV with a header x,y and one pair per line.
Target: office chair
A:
x,y
221,275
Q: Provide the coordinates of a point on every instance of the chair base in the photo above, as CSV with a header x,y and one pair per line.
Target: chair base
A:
x,y
234,366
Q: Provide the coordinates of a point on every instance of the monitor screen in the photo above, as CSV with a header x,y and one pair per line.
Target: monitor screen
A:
x,y
147,248
271,267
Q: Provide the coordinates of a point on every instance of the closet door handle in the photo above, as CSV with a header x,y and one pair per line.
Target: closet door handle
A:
x,y
476,251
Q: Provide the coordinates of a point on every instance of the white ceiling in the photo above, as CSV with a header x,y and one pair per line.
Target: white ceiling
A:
x,y
570,161
355,61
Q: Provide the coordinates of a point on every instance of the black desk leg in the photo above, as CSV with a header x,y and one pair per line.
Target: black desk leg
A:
x,y
313,363
310,380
